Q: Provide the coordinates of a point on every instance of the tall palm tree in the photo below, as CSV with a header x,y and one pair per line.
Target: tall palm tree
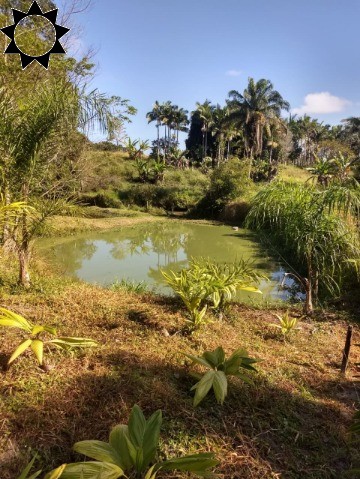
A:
x,y
308,132
156,115
253,110
181,121
206,115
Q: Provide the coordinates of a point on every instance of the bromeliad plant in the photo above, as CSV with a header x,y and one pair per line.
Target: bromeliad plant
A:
x,y
131,453
286,324
35,341
206,283
238,364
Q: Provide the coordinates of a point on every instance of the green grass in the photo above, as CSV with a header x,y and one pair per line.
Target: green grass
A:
x,y
293,173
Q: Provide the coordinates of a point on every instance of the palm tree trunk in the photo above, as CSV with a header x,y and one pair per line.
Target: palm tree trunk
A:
x,y
23,244
24,259
6,232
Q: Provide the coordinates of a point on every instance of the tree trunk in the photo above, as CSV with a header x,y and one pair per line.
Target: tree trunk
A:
x,y
206,142
308,306
24,276
6,232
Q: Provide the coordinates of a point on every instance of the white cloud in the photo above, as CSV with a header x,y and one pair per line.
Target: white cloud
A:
x,y
233,73
322,103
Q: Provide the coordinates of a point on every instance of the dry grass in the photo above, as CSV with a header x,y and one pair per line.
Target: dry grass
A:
x,y
291,424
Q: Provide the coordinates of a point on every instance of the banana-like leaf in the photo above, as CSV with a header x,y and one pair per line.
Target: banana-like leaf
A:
x,y
198,360
199,464
70,343
137,426
92,470
13,320
250,289
220,386
203,387
38,347
118,440
151,474
244,378
37,329
19,350
25,472
215,358
151,438
98,450
56,473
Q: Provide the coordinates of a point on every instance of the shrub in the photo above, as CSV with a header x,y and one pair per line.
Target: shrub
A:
x,y
180,190
286,324
34,340
205,282
131,451
227,182
102,199
219,368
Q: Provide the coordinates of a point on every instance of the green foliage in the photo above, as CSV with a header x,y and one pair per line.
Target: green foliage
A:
x,y
238,364
179,190
131,452
286,324
205,282
34,342
102,199
130,286
55,474
136,149
316,227
227,182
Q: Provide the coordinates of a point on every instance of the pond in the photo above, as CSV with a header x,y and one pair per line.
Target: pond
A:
x,y
139,253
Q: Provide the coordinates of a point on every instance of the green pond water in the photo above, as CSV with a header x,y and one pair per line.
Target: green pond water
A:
x,y
139,254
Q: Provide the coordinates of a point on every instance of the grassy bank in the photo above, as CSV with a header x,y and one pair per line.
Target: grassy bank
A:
x,y
291,423
97,219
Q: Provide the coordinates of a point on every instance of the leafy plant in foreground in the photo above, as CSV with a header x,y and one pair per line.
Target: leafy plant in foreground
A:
x,y
131,452
205,282
34,341
286,324
55,474
219,368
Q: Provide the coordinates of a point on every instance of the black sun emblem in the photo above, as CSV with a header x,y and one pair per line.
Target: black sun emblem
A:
x,y
13,47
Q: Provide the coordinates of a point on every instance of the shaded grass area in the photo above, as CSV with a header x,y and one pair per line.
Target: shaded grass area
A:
x,y
292,423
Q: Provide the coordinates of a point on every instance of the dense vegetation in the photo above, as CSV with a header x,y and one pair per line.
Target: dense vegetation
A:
x,y
293,180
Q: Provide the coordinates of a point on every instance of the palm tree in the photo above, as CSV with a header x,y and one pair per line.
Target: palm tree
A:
x,y
25,130
308,132
181,121
156,115
219,130
206,115
253,110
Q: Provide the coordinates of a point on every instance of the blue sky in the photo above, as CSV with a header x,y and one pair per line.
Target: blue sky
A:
x,y
191,50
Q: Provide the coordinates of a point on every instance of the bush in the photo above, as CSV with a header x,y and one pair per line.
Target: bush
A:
x,y
179,191
103,199
228,182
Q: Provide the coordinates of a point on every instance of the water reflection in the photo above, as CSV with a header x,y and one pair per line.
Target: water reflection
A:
x,y
140,252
